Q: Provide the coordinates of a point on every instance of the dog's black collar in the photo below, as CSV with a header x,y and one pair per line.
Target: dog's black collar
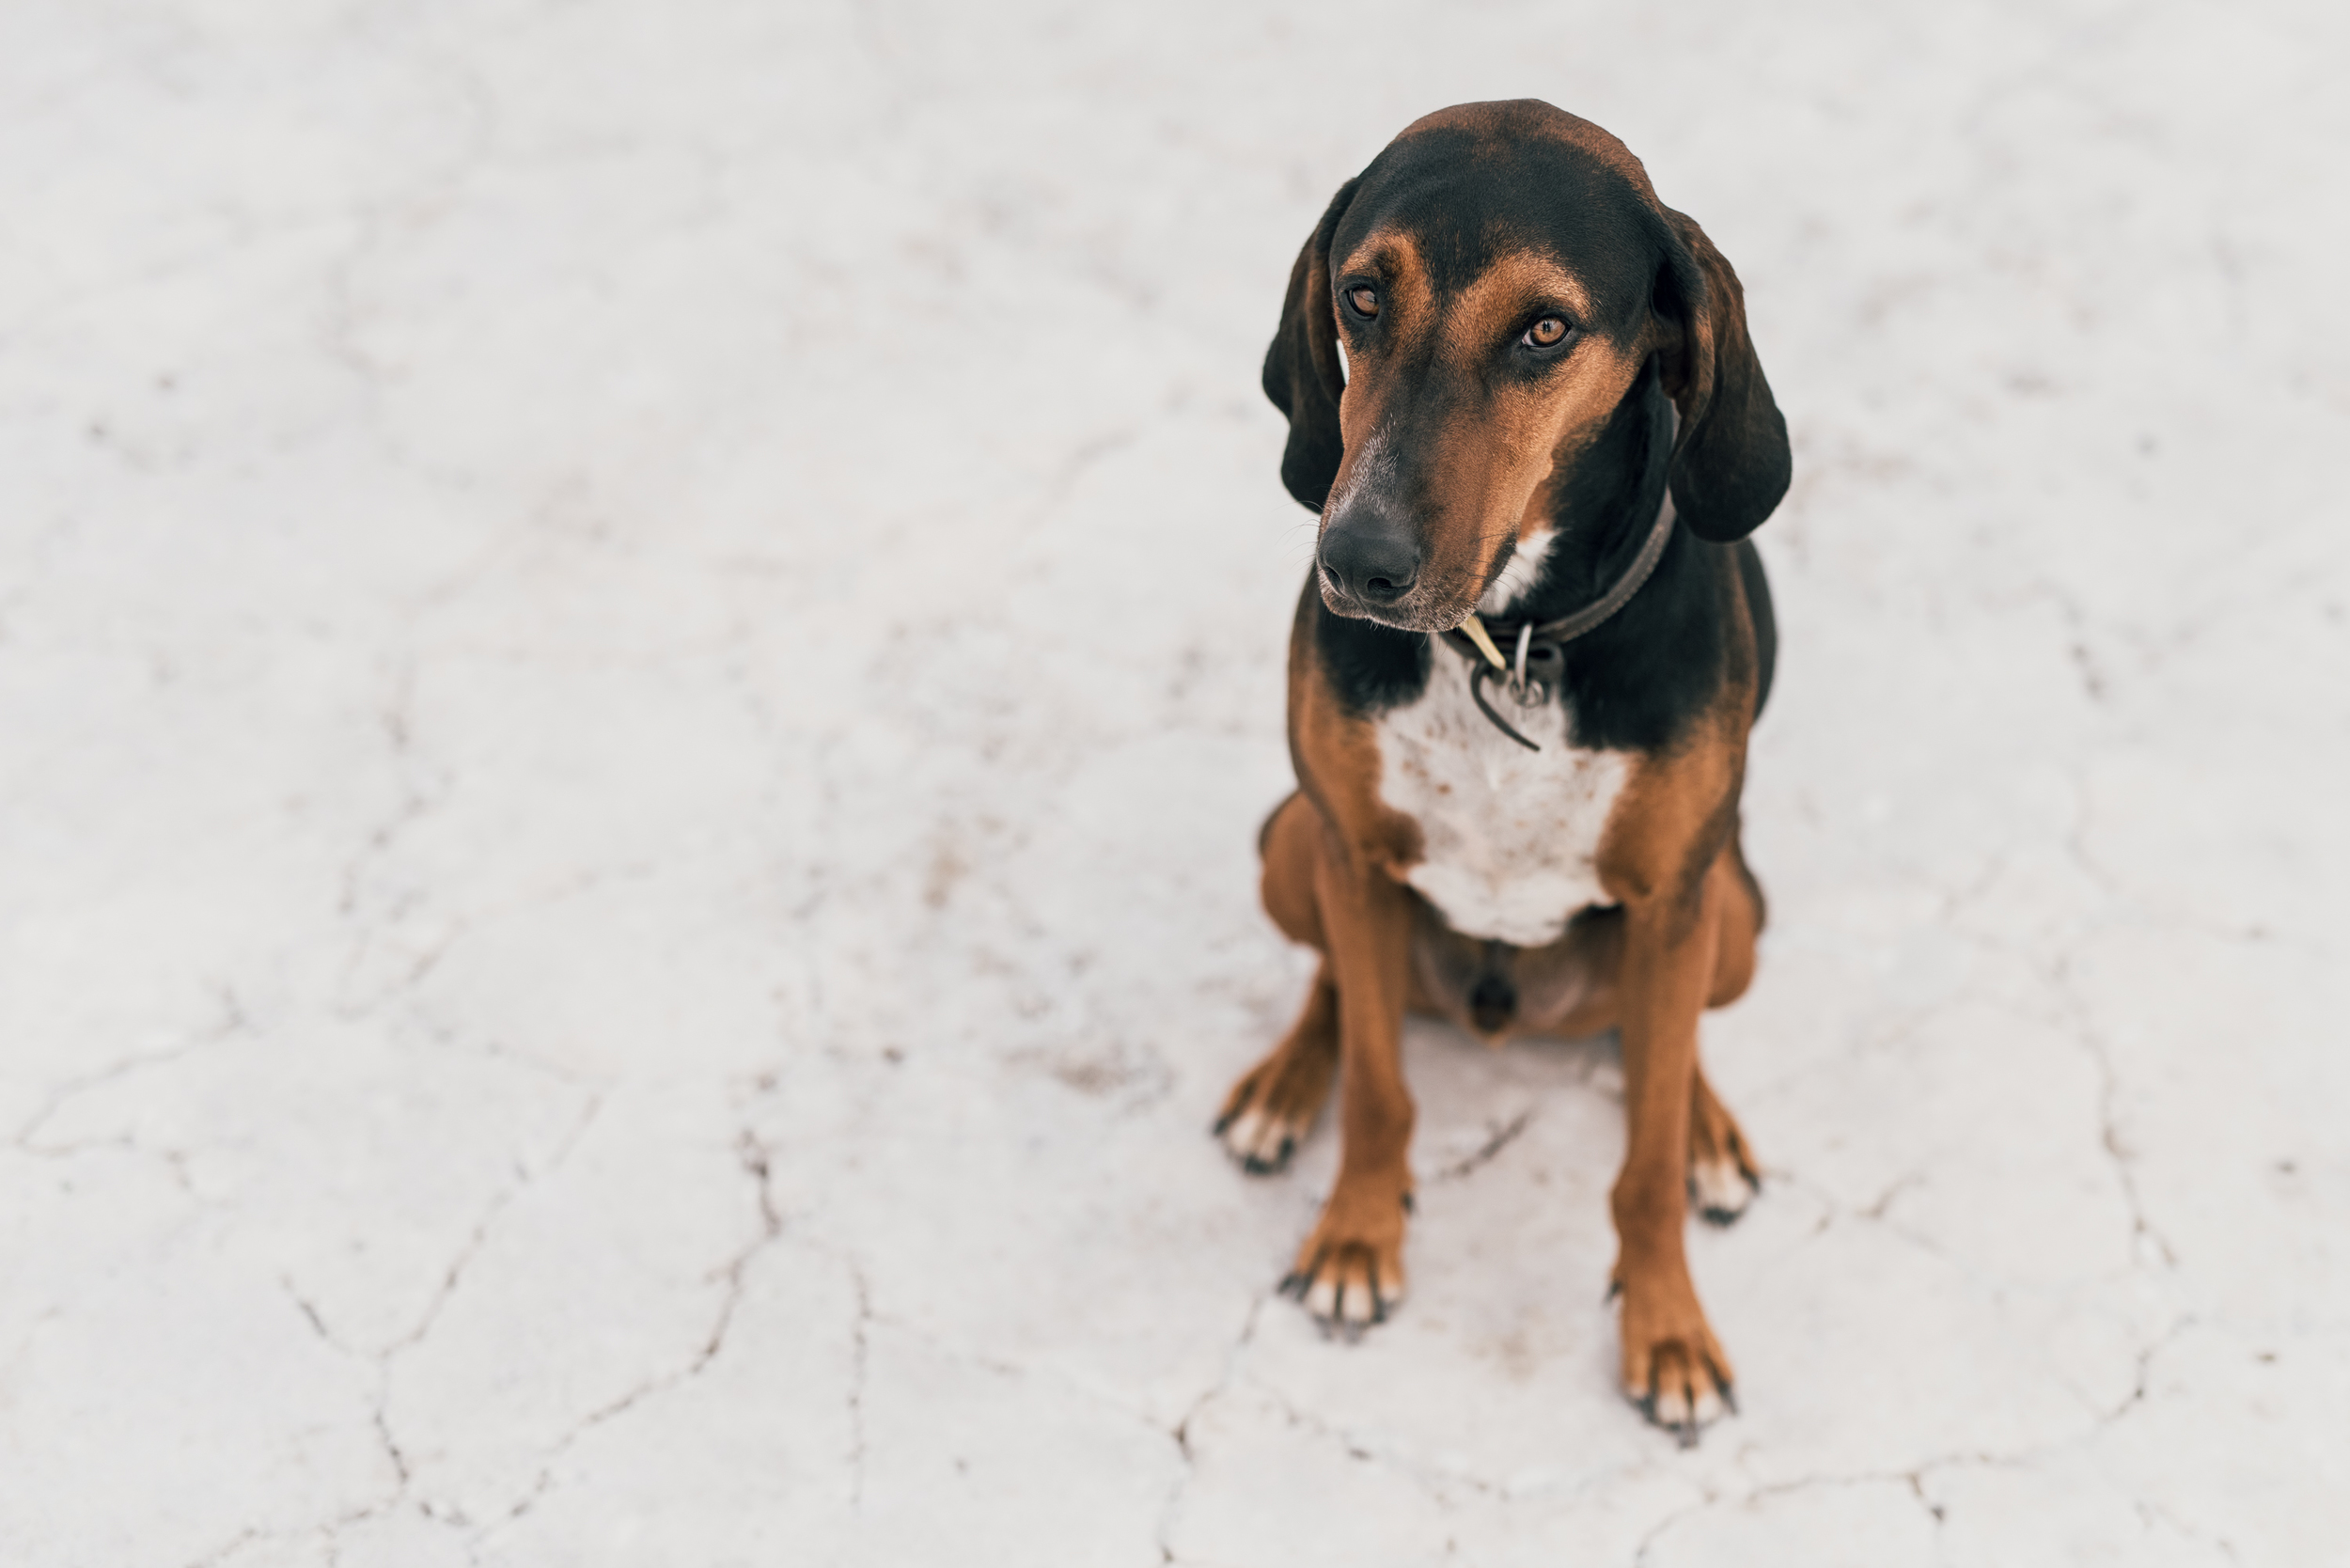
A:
x,y
1532,687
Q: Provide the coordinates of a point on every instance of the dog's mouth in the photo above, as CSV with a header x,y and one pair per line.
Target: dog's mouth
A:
x,y
1416,611
1434,607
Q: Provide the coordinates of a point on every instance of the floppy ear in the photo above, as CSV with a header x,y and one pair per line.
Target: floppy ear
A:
x,y
1302,374
1731,463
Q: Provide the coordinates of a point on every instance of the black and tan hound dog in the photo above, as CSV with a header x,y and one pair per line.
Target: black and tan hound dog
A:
x,y
1522,398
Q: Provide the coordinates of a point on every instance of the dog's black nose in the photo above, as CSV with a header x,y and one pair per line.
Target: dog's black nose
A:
x,y
1372,556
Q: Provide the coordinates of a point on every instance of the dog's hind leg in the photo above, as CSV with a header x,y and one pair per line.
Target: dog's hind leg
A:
x,y
1739,923
1268,1112
1723,1176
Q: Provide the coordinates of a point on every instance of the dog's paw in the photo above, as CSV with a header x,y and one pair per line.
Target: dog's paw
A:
x,y
1259,1139
1673,1368
1269,1112
1723,1175
1720,1188
1350,1271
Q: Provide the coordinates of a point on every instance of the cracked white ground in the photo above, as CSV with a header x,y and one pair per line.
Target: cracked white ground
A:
x,y
640,650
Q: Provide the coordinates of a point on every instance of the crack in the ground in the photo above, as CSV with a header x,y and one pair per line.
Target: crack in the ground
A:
x,y
2148,1243
860,1359
2152,1514
1485,1154
1914,1478
757,1163
2141,1380
1912,1481
454,1273
1233,1353
404,1469
231,1021
379,1418
235,1543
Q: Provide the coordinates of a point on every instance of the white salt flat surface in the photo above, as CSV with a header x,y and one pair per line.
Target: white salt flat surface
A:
x,y
641,651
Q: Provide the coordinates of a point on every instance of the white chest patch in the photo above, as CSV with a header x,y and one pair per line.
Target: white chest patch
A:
x,y
1508,835
1524,564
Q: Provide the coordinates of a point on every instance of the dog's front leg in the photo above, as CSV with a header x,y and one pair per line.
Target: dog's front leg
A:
x,y
1350,1270
1672,1366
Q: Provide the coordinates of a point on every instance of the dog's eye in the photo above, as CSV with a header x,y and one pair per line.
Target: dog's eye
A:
x,y
1365,300
1545,333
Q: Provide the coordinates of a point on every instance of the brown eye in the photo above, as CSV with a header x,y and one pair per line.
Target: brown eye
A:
x,y
1365,300
1546,332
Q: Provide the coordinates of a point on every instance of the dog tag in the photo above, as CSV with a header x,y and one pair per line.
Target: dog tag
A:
x,y
1525,690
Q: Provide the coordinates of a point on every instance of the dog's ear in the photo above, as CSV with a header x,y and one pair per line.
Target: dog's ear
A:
x,y
1730,461
1302,373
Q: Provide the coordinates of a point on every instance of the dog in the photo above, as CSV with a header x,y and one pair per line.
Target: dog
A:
x,y
1523,400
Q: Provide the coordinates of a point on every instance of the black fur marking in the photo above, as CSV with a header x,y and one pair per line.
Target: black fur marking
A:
x,y
1294,376
1734,462
1465,204
1638,680
1371,667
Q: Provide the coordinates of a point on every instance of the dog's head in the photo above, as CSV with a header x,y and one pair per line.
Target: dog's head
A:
x,y
1497,280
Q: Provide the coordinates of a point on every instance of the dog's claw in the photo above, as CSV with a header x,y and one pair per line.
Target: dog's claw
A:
x,y
1346,1286
1685,1413
1267,1165
1673,1411
1673,1371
